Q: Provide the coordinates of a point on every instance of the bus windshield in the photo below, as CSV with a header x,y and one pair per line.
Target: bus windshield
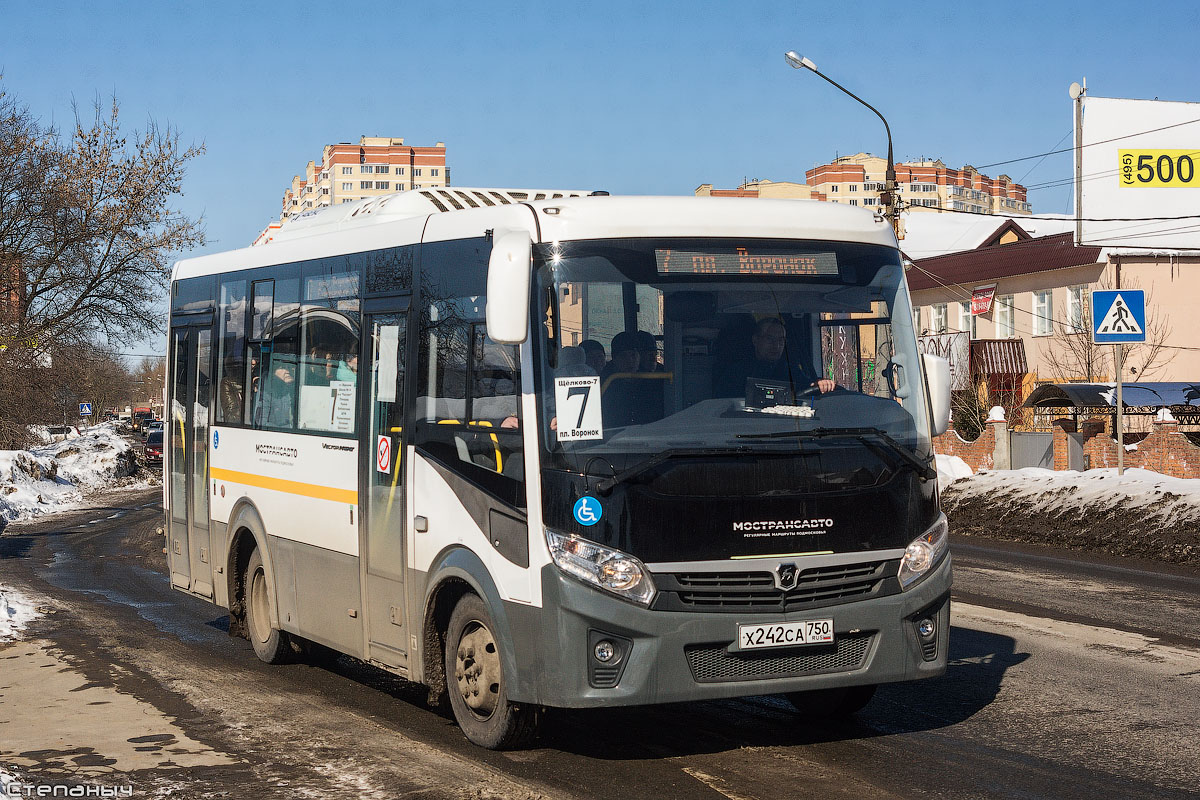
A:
x,y
668,346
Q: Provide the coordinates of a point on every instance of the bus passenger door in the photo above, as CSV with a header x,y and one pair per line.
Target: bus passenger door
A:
x,y
383,471
186,429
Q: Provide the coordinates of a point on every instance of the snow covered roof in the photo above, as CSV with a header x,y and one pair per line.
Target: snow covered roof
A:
x,y
928,234
1155,394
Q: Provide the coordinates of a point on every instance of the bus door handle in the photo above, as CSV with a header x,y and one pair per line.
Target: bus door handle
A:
x,y
420,524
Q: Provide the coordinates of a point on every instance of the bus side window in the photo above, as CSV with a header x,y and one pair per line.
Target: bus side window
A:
x,y
231,359
468,405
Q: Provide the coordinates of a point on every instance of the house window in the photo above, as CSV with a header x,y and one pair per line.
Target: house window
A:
x,y
853,202
1005,328
1042,322
435,172
833,188
399,186
366,184
917,320
966,320
399,170
1076,297
416,171
938,318
854,187
383,169
366,169
347,170
381,184
324,190
347,186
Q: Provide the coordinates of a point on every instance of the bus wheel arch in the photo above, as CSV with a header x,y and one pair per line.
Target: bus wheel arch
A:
x,y
249,536
455,573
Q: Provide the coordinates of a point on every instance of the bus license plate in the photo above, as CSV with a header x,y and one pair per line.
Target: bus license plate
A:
x,y
785,634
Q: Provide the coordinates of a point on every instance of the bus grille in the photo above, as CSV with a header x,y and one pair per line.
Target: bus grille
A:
x,y
748,592
713,664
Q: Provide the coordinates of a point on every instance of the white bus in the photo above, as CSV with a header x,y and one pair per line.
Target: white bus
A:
x,y
540,449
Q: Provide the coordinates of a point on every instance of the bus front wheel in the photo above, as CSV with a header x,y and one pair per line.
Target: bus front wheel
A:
x,y
270,644
476,684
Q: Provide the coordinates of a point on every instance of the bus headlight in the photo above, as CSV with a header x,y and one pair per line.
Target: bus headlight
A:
x,y
610,570
925,552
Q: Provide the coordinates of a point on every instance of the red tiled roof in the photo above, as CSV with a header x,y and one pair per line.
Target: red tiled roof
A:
x,y
1002,261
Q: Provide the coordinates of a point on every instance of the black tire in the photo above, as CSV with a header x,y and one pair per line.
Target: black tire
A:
x,y
831,703
270,644
476,683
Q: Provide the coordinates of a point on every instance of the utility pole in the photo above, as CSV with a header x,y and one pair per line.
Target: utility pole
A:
x,y
1077,93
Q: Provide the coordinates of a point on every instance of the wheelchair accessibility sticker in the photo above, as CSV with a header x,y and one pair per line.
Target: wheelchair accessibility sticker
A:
x,y
588,511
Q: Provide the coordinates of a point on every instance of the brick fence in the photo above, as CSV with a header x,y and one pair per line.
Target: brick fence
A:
x,y
1164,449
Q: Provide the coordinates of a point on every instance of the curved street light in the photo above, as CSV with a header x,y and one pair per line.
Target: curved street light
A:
x,y
887,198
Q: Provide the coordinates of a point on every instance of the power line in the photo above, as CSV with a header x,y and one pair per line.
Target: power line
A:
x,y
1089,144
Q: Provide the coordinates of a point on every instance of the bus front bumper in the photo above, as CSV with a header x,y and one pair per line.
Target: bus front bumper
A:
x,y
665,657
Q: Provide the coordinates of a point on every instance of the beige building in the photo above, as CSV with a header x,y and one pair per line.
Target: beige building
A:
x,y
1039,291
780,190
926,185
377,165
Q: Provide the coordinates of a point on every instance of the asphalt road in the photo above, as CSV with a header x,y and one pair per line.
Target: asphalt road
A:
x,y
1069,676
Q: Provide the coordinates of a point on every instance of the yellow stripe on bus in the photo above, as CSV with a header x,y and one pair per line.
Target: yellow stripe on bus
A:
x,y
790,555
349,496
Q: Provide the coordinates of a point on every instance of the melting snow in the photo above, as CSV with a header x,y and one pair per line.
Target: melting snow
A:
x,y
54,477
16,610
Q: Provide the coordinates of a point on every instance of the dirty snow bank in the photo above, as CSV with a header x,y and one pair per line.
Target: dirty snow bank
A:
x,y
55,476
16,610
1142,513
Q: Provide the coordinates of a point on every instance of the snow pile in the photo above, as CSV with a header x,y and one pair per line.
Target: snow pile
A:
x,y
16,611
950,469
1140,513
54,476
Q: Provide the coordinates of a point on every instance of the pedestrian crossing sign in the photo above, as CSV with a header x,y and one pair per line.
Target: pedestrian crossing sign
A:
x,y
1119,316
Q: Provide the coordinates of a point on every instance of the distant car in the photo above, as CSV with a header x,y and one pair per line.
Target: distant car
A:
x,y
152,427
140,418
60,432
154,447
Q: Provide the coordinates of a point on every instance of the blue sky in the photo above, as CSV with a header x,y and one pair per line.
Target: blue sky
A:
x,y
639,98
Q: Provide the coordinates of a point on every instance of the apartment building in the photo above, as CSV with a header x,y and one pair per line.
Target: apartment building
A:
x,y
377,165
926,185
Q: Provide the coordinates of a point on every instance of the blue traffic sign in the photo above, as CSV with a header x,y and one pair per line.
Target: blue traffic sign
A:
x,y
85,409
1118,316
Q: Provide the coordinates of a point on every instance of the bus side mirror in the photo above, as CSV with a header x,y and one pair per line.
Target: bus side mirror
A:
x,y
937,381
509,268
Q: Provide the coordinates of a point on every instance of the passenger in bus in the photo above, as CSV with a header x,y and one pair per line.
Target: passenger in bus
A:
x,y
647,347
231,391
770,360
347,368
593,355
276,407
625,356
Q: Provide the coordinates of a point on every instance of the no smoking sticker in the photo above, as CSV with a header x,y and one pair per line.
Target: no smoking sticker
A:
x,y
383,454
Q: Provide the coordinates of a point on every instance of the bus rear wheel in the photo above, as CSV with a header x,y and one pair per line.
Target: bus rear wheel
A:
x,y
831,703
476,682
270,644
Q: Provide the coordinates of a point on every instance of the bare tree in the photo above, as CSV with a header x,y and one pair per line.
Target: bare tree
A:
x,y
87,231
1071,354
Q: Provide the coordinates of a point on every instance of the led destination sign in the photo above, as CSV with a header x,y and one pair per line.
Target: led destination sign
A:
x,y
744,262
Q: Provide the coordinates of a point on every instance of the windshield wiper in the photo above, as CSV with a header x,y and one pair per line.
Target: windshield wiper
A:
x,y
873,438
605,485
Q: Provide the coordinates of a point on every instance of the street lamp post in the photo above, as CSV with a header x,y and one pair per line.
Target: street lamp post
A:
x,y
887,198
